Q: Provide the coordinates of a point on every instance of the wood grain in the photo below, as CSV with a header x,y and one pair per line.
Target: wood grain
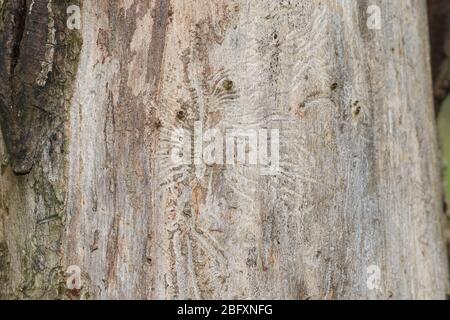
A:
x,y
359,181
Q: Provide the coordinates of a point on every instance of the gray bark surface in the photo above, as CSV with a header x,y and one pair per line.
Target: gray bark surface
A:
x,y
359,184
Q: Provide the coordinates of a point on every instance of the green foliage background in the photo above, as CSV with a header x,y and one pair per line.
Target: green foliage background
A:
x,y
444,135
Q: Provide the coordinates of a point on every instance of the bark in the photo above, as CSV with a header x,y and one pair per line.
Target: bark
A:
x,y
359,185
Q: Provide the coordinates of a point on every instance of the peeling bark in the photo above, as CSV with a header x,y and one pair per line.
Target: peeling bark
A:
x,y
39,61
32,95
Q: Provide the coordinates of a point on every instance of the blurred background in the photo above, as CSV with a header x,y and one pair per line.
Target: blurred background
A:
x,y
439,19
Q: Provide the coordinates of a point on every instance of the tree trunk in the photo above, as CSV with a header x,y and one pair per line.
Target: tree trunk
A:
x,y
354,209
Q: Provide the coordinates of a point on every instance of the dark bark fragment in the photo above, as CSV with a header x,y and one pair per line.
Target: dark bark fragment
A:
x,y
32,64
439,20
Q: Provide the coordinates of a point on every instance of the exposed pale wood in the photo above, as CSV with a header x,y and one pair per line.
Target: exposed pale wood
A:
x,y
360,182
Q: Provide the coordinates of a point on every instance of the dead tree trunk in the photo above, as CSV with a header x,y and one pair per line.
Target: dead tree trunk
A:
x,y
89,171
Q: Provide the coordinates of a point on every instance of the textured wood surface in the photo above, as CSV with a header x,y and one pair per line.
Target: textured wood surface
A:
x,y
359,181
